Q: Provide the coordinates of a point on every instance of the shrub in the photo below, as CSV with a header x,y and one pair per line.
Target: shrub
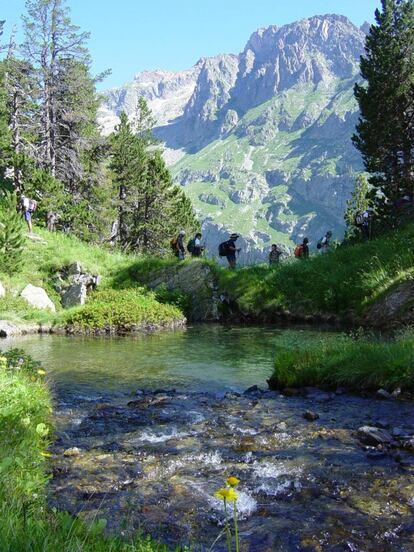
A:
x,y
123,309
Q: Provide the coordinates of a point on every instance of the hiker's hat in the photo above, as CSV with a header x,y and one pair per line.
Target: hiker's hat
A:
x,y
234,236
182,233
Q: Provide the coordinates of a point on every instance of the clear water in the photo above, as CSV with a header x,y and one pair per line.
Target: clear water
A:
x,y
152,460
211,358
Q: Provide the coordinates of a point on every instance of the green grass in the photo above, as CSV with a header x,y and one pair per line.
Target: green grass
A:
x,y
53,251
345,281
357,364
123,309
27,524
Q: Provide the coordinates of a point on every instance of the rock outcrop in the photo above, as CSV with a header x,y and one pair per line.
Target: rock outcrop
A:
x,y
195,280
73,284
395,308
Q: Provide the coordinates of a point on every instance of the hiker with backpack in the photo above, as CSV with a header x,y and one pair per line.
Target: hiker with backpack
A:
x,y
194,246
228,249
363,222
302,250
177,245
274,255
324,243
28,207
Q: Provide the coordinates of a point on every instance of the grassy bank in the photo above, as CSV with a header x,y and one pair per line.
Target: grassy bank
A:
x,y
345,281
357,364
49,253
27,524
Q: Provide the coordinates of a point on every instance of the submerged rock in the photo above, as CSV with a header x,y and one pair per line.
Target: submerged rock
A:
x,y
73,451
310,416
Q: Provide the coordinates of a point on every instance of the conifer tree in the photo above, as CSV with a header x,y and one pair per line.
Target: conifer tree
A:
x,y
151,209
385,132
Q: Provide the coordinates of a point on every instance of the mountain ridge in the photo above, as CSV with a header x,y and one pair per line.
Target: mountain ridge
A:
x,y
262,136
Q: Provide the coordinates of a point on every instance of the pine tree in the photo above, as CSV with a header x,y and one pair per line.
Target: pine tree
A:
x,y
151,209
385,131
128,166
51,40
12,235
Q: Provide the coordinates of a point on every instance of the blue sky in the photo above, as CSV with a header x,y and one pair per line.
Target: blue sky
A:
x,y
128,36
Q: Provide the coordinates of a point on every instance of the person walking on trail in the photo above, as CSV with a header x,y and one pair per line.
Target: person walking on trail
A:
x,y
325,242
28,206
177,245
363,223
274,255
194,246
229,250
302,250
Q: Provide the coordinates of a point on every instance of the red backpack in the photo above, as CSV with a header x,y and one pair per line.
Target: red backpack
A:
x,y
298,250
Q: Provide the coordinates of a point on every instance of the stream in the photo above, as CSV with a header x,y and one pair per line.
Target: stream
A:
x,y
149,427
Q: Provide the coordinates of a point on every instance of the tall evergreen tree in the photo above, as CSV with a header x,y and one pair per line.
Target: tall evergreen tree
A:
x,y
151,209
385,131
51,40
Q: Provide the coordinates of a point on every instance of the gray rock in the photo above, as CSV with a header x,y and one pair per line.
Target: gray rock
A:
x,y
74,295
7,329
383,394
37,298
73,451
310,416
374,436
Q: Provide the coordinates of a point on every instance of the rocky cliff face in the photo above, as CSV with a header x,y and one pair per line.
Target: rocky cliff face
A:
x,y
261,141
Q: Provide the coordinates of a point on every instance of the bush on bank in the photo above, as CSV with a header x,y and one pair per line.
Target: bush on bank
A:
x,y
123,310
357,364
27,524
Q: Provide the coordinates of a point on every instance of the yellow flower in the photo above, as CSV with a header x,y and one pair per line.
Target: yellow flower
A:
x,y
226,494
41,372
3,359
233,481
46,454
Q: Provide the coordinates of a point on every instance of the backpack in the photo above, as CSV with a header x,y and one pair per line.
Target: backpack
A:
x,y
191,246
173,244
359,219
223,249
299,250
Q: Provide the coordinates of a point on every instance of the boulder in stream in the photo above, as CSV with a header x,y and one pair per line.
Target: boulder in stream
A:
x,y
310,416
374,436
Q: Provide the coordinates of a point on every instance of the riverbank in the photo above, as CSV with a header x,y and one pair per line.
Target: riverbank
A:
x,y
361,284
368,283
357,364
26,432
57,266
